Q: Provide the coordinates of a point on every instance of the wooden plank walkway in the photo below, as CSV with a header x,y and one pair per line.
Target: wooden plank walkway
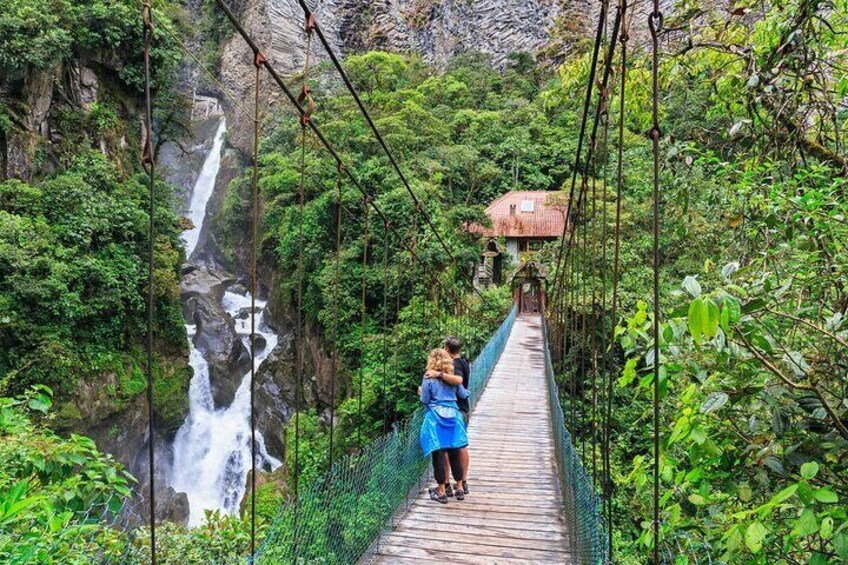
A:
x,y
513,512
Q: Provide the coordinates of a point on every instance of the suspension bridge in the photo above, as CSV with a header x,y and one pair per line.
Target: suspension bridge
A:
x,y
533,499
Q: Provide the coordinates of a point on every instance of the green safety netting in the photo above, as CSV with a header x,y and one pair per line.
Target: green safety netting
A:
x,y
581,504
339,518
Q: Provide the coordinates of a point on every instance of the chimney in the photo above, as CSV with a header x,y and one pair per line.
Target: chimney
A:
x,y
512,209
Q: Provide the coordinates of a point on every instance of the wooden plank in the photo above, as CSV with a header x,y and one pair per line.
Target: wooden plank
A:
x,y
485,528
451,535
473,549
475,519
469,507
388,553
539,507
398,560
493,543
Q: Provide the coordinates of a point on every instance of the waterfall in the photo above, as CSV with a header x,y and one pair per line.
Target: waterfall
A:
x,y
203,188
212,448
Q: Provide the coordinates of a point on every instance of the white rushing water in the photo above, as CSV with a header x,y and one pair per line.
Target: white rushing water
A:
x,y
212,449
203,188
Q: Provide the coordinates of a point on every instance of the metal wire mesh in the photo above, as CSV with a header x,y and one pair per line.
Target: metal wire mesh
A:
x,y
581,504
338,518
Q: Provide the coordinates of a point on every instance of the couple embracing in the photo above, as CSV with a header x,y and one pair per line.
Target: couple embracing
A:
x,y
444,392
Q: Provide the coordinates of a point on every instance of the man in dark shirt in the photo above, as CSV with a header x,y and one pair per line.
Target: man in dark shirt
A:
x,y
461,375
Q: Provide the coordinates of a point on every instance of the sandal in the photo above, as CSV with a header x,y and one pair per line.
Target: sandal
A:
x,y
464,487
448,491
434,495
459,492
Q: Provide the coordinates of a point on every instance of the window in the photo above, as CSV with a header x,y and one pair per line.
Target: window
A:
x,y
528,206
525,245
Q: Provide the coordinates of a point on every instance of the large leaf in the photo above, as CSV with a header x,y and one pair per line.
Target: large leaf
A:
x,y
826,529
809,469
714,401
826,495
754,536
697,319
692,286
753,305
784,494
713,315
777,422
734,309
775,465
840,544
728,270
807,523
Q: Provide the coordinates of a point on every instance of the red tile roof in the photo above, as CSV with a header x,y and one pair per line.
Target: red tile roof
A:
x,y
543,222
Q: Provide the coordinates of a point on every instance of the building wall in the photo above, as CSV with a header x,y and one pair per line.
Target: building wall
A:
x,y
512,249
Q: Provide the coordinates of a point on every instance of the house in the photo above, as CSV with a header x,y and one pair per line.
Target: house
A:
x,y
522,221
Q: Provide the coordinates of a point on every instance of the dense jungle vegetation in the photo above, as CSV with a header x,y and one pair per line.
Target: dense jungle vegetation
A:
x,y
754,299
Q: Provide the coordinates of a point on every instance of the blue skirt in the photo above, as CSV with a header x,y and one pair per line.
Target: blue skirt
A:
x,y
443,428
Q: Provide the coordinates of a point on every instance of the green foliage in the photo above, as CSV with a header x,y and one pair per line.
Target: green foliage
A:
x,y
753,393
752,337
44,33
55,493
73,281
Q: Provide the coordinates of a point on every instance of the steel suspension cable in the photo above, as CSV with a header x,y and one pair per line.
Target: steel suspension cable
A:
x,y
619,182
362,322
584,224
334,365
572,291
655,22
583,122
606,375
581,202
148,163
305,97
254,222
593,319
593,136
385,345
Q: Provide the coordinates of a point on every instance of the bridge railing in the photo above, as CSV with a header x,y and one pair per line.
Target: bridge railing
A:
x,y
338,518
581,504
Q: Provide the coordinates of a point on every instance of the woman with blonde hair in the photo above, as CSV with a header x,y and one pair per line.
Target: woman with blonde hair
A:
x,y
443,430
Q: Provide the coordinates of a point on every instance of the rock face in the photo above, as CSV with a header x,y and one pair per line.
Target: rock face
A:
x,y
215,336
441,29
125,435
276,381
275,395
170,505
436,29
